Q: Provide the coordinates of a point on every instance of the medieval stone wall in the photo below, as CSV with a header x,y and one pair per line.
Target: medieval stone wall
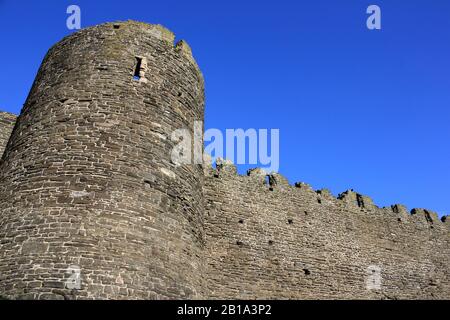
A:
x,y
269,240
87,184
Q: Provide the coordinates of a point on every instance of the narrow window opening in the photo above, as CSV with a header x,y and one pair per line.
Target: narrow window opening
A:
x,y
428,217
270,242
241,221
290,221
306,213
116,26
137,70
319,201
399,220
307,272
360,201
239,243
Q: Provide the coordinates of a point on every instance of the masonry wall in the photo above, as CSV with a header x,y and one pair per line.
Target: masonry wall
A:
x,y
87,182
7,121
272,240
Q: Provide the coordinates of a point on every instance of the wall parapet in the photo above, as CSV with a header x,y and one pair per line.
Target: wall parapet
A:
x,y
349,199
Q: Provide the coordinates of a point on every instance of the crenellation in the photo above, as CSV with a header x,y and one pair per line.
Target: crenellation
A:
x,y
297,220
366,202
184,47
303,186
325,193
446,221
278,181
400,209
354,199
258,174
349,197
425,215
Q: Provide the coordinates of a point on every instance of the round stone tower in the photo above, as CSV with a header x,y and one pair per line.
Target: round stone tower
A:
x,y
92,205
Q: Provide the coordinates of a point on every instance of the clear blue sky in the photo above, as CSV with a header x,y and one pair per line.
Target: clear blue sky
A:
x,y
368,110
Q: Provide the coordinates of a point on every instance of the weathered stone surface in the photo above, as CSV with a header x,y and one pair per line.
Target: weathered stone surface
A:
x,y
87,178
7,121
87,184
272,241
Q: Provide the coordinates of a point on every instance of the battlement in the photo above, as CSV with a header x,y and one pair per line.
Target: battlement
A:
x,y
159,32
279,240
347,200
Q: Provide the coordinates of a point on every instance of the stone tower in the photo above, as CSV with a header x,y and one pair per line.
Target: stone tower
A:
x,y
88,188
